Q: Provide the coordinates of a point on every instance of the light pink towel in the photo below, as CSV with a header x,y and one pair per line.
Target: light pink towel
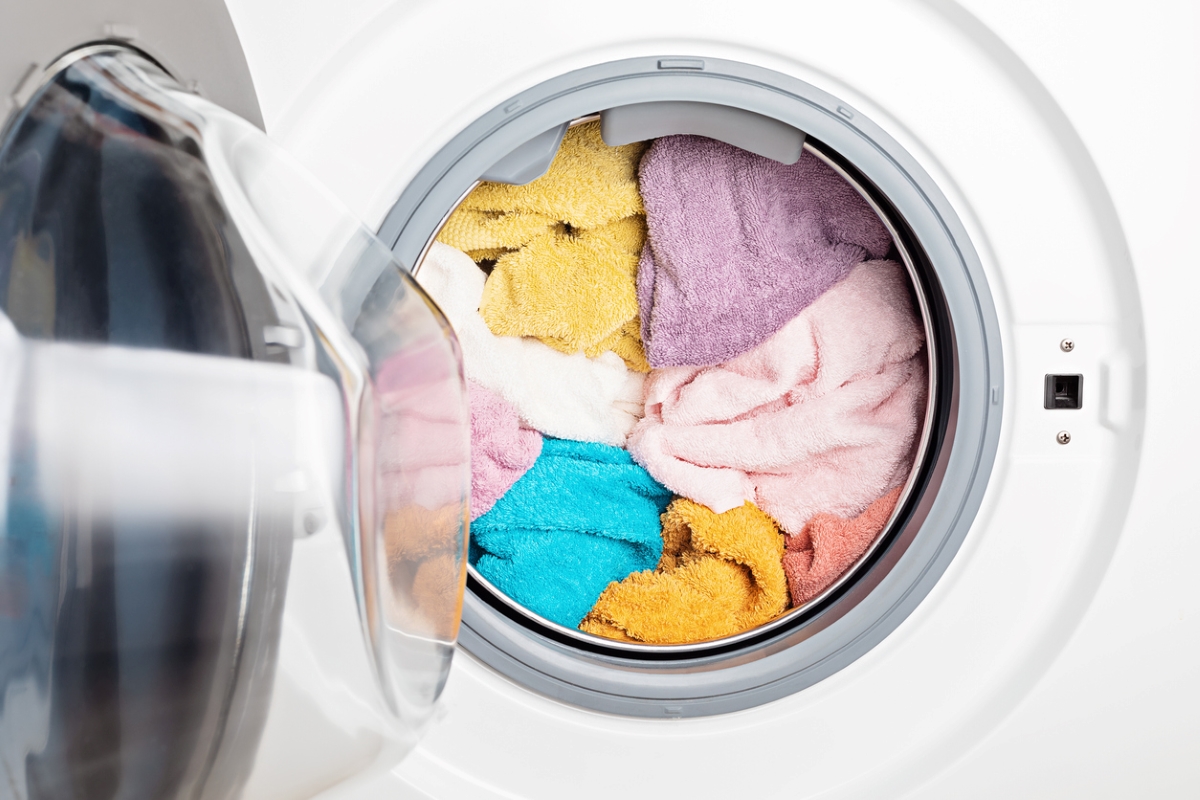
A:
x,y
417,439
502,448
821,417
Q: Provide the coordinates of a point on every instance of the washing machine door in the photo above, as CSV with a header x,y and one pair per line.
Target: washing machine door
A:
x,y
205,363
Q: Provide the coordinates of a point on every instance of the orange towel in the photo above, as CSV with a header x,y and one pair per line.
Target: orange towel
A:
x,y
719,574
828,545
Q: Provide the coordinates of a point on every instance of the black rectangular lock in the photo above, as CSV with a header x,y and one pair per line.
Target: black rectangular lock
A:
x,y
1064,391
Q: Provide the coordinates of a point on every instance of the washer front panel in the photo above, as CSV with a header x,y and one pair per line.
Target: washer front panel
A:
x,y
840,632
994,667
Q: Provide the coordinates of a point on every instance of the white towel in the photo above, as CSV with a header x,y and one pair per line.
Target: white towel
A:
x,y
565,396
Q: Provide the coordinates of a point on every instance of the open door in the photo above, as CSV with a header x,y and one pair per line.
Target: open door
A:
x,y
205,364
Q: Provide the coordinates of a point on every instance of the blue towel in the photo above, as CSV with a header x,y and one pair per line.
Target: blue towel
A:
x,y
583,516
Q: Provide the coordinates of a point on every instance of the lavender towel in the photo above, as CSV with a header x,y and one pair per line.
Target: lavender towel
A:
x,y
739,244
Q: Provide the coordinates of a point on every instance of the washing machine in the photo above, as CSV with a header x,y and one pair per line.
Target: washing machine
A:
x,y
1023,625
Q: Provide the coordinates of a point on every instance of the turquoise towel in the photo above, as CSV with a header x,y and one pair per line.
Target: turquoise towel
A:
x,y
583,516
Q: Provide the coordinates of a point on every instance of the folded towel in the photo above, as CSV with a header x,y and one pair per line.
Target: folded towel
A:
x,y
582,517
502,448
720,574
828,546
566,248
739,244
568,396
821,417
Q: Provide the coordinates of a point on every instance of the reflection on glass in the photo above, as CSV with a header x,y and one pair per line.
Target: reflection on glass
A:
x,y
209,371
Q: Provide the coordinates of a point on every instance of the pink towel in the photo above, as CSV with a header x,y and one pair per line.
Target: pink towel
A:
x,y
419,446
829,545
821,417
502,448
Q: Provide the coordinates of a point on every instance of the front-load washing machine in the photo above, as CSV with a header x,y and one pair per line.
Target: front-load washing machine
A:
x,y
1022,623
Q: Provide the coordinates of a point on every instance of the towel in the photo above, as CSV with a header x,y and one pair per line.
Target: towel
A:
x,y
720,574
821,417
584,516
419,458
415,442
502,448
566,396
828,546
577,293
566,248
739,244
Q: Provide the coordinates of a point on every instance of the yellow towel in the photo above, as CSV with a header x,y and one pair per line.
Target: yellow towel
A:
x,y
566,248
719,574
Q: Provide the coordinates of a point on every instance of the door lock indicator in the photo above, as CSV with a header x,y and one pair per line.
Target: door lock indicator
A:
x,y
1064,391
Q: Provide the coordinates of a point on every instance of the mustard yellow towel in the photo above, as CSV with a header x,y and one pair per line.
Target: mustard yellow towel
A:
x,y
566,248
719,574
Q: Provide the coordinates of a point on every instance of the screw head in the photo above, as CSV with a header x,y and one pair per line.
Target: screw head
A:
x,y
1067,345
1063,437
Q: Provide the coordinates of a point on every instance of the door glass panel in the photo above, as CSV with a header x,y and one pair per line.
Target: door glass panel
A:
x,y
208,367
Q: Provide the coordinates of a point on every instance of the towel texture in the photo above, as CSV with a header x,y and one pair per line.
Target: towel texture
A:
x,y
739,244
720,574
819,418
420,458
828,545
584,516
567,396
502,448
566,248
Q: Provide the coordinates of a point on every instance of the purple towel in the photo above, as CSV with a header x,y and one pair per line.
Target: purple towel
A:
x,y
739,244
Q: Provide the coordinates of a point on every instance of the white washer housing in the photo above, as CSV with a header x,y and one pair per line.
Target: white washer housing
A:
x,y
1056,657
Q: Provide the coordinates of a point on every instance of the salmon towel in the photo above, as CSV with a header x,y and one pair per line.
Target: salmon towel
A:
x,y
829,545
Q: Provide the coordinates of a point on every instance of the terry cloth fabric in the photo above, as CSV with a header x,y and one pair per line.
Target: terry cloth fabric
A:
x,y
828,545
720,574
821,417
566,248
739,244
421,455
584,516
417,437
502,448
567,396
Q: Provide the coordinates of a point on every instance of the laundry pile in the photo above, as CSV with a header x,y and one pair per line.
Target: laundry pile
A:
x,y
696,383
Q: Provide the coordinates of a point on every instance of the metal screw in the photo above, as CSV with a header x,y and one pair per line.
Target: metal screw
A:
x,y
1063,437
1067,346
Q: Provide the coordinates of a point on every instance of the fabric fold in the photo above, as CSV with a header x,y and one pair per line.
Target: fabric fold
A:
x,y
565,247
829,545
819,418
738,245
502,448
566,396
582,517
720,574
